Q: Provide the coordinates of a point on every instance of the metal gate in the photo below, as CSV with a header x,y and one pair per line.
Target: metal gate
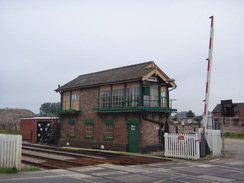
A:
x,y
182,145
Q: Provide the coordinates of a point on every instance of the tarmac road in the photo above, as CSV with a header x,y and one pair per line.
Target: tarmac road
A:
x,y
235,148
229,169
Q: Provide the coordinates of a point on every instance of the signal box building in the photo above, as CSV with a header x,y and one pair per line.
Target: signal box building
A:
x,y
124,109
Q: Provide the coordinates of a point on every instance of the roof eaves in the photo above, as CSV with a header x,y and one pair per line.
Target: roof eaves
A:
x,y
97,84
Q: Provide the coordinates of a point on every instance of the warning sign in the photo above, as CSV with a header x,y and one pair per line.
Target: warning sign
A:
x,y
198,137
181,138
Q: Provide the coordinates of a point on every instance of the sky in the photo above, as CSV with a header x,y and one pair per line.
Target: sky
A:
x,y
44,43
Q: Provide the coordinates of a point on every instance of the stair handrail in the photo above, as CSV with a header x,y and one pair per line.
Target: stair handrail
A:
x,y
56,118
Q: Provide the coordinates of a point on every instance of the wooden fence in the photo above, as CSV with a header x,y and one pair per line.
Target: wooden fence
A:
x,y
10,151
182,145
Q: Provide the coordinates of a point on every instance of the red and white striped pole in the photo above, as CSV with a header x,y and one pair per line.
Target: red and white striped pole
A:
x,y
205,117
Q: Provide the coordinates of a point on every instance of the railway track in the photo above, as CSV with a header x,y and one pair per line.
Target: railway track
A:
x,y
53,158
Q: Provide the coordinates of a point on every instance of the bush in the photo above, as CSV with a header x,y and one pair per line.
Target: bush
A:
x,y
227,134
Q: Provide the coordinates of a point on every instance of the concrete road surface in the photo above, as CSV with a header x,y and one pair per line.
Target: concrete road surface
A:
x,y
235,148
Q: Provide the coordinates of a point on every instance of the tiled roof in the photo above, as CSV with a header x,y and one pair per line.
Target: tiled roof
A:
x,y
126,73
237,108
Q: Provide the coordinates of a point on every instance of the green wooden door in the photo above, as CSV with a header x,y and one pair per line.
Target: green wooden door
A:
x,y
132,137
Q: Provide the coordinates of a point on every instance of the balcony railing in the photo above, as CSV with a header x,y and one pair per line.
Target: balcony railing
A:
x,y
130,105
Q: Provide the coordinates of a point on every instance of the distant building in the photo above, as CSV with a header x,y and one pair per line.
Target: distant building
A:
x,y
236,120
125,109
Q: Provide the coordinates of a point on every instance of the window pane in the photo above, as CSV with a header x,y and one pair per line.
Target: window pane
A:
x,y
72,130
118,98
104,99
109,131
89,130
132,97
154,96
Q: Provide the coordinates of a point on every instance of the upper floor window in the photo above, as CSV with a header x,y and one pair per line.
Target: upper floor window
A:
x,y
132,94
154,95
118,95
163,99
71,100
104,97
149,94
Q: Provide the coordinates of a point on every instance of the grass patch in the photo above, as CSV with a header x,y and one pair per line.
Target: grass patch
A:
x,y
8,170
9,129
30,169
203,159
234,135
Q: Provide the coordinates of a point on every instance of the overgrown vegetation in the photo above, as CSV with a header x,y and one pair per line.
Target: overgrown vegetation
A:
x,y
9,129
8,170
234,135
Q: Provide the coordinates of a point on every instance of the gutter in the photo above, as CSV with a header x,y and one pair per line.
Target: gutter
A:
x,y
173,88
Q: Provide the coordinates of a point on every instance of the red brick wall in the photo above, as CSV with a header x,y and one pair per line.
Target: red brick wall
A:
x,y
28,129
148,132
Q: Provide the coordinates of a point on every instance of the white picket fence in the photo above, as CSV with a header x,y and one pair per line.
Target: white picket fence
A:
x,y
214,141
10,151
184,146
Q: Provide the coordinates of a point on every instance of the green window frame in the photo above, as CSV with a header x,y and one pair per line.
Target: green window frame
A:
x,y
109,130
88,129
105,99
132,97
117,97
71,132
71,121
70,100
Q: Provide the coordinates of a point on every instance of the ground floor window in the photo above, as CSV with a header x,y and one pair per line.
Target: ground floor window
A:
x,y
71,128
89,130
71,132
109,130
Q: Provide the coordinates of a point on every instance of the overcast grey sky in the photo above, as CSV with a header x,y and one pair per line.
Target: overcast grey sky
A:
x,y
44,43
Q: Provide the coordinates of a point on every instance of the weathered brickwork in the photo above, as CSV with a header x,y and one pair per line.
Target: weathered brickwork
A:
x,y
133,106
148,132
28,127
